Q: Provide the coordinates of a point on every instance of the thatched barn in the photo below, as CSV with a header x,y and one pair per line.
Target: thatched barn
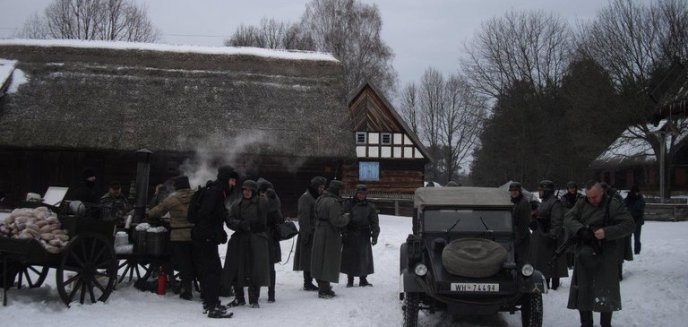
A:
x,y
67,105
390,158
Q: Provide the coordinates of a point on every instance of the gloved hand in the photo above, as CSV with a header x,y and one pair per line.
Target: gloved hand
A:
x,y
585,235
373,241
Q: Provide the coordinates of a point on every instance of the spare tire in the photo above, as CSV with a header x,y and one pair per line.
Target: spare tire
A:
x,y
473,257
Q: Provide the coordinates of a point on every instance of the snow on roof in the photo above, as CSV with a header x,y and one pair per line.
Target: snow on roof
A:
x,y
629,146
260,52
6,69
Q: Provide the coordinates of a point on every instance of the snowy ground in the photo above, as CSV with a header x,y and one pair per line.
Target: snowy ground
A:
x,y
654,293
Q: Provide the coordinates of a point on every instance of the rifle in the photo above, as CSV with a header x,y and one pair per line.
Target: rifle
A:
x,y
594,243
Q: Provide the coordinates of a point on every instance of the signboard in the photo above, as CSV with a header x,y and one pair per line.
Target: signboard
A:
x,y
368,171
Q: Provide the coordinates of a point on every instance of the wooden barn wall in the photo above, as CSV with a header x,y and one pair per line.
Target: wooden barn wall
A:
x,y
396,176
370,114
23,171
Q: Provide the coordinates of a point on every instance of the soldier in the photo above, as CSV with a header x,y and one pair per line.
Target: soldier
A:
x,y
247,254
86,190
115,204
274,217
326,255
568,200
307,219
572,196
521,221
360,235
600,223
635,202
548,235
206,234
177,204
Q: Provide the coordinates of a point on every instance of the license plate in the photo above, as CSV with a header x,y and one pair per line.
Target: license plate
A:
x,y
475,287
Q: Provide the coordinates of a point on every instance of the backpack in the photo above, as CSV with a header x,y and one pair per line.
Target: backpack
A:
x,y
195,204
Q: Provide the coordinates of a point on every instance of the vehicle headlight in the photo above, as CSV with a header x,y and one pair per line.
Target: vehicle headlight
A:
x,y
527,270
420,269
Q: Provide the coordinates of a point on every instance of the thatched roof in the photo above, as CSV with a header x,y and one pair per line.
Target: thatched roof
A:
x,y
127,96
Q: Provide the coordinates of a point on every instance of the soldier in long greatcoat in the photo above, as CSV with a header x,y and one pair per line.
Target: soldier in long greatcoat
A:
x,y
521,220
601,223
548,236
247,253
326,255
360,235
307,219
274,217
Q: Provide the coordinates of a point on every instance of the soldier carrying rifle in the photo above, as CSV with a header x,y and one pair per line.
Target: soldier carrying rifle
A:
x,y
599,224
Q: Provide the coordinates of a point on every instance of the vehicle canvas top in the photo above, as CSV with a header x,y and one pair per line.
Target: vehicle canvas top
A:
x,y
461,197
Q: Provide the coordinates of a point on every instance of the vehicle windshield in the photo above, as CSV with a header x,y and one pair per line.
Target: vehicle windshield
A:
x,y
441,220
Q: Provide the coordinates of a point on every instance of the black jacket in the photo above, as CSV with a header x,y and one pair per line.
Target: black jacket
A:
x,y
212,215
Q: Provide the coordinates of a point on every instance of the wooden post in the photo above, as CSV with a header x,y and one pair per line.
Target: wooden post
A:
x,y
396,207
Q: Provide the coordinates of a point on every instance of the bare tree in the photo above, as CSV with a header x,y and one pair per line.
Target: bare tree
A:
x,y
530,47
271,34
350,30
635,43
410,106
119,20
451,115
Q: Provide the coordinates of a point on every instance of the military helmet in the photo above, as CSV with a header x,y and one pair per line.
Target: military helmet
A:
x,y
335,186
515,186
317,181
572,184
250,185
361,188
547,185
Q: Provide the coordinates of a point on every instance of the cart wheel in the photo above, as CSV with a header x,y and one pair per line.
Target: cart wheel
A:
x,y
88,269
134,267
31,276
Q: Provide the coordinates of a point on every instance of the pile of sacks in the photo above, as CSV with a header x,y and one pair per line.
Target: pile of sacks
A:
x,y
40,224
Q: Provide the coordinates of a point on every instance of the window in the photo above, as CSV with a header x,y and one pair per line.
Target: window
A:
x,y
386,139
369,171
361,138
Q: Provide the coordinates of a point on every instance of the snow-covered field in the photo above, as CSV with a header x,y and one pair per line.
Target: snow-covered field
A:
x,y
654,292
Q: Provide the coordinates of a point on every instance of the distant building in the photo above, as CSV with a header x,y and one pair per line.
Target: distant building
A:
x,y
65,105
390,158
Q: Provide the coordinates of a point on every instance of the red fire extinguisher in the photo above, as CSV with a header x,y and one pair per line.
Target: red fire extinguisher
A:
x,y
162,282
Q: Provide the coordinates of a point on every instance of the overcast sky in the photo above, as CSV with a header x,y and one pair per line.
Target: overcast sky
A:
x,y
422,33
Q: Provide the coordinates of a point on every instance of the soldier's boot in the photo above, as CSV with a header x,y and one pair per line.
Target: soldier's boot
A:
x,y
239,298
363,281
606,319
253,294
586,318
555,283
219,311
271,294
349,281
308,282
185,292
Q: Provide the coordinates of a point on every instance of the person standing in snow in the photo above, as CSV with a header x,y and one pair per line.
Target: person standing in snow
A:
x,y
307,219
326,256
273,210
360,235
247,251
548,235
600,223
207,233
635,202
568,200
625,250
521,220
177,205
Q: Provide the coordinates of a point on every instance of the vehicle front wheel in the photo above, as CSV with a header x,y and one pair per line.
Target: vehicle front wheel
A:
x,y
531,310
411,301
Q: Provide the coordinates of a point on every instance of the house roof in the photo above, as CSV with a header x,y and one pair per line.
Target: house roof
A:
x,y
629,149
127,96
397,124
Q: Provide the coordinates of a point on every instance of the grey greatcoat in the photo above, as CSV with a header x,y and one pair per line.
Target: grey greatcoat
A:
x,y
521,221
327,239
595,281
357,251
547,237
247,251
304,242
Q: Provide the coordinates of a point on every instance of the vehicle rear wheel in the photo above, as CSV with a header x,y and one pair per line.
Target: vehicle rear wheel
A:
x,y
411,301
531,310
